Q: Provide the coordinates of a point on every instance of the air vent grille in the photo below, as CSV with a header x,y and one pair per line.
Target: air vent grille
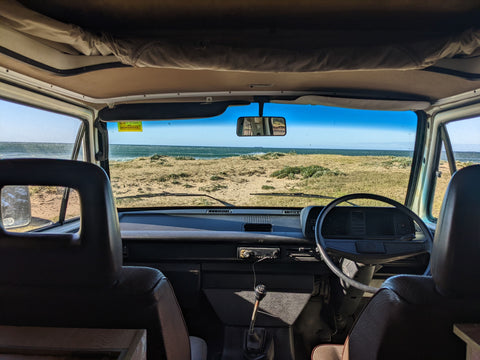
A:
x,y
257,219
291,212
219,211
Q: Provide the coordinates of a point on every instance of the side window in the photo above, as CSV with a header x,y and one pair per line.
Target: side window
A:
x,y
460,148
27,132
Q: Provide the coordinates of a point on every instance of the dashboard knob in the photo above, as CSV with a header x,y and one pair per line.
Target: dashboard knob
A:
x,y
246,254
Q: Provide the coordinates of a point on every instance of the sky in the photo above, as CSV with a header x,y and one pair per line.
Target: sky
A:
x,y
307,127
20,123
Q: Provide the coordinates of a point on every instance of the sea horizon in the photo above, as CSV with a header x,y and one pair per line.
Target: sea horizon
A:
x,y
125,152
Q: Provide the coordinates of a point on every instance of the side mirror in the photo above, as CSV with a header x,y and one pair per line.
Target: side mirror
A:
x,y
261,126
15,209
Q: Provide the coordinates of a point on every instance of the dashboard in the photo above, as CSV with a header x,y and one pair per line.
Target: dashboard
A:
x,y
212,256
248,234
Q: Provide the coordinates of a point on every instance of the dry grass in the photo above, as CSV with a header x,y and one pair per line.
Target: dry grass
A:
x,y
235,179
442,183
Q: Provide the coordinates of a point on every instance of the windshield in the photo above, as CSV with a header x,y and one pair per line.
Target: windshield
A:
x,y
327,152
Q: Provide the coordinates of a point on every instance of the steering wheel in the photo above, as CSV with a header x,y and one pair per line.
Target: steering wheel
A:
x,y
369,251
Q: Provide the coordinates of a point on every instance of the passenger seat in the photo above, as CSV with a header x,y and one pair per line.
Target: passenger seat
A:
x,y
78,280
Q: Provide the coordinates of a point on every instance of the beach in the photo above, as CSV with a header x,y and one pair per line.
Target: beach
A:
x,y
177,181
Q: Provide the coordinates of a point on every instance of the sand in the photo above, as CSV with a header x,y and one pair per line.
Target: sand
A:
x,y
161,181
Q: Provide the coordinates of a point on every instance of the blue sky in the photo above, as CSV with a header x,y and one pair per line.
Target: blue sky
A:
x,y
307,126
20,123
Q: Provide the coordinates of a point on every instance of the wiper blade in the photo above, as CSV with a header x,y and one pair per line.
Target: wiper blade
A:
x,y
316,196
172,194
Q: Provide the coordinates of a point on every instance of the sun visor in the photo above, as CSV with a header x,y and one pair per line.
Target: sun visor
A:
x,y
162,111
361,104
285,51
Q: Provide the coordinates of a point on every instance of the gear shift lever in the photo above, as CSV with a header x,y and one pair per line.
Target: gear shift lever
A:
x,y
258,343
260,292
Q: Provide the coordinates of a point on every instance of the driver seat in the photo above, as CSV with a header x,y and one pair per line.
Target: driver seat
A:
x,y
412,317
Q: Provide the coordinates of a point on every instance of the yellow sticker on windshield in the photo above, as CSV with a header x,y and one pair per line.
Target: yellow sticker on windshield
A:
x,y
130,126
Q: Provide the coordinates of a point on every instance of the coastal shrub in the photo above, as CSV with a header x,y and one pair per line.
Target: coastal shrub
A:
x,y
272,155
312,171
178,176
184,158
216,177
397,161
268,187
249,157
213,188
462,164
157,157
173,177
259,171
160,159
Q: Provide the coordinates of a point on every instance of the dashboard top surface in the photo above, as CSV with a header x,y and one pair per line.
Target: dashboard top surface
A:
x,y
267,224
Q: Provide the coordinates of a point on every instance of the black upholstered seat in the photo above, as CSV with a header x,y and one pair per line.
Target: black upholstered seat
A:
x,y
78,280
412,317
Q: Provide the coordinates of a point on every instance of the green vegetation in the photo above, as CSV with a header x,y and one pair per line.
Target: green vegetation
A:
x,y
173,177
272,155
234,179
216,177
396,161
312,171
159,159
259,171
267,156
249,157
184,158
213,188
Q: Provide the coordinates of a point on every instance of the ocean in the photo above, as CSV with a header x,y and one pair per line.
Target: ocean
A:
x,y
129,152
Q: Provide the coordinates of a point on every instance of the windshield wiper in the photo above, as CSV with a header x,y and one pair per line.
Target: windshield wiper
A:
x,y
302,195
172,194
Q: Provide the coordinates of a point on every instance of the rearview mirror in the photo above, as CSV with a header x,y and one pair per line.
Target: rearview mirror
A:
x,y
15,210
261,126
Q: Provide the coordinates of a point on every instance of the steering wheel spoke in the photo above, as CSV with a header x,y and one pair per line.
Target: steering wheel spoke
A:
x,y
340,246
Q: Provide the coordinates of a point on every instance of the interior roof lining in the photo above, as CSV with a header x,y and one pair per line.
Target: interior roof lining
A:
x,y
117,64
58,71
294,50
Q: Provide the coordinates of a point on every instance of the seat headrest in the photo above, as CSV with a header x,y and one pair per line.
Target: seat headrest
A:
x,y
92,258
456,248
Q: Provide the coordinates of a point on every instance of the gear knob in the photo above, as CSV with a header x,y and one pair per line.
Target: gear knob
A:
x,y
260,292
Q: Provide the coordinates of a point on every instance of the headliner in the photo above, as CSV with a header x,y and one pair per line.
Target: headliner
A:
x,y
396,20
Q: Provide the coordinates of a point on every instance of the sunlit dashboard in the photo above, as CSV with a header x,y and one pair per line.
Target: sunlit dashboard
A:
x,y
243,234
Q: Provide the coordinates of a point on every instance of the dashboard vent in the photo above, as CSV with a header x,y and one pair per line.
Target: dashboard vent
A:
x,y
219,211
291,212
257,227
257,219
